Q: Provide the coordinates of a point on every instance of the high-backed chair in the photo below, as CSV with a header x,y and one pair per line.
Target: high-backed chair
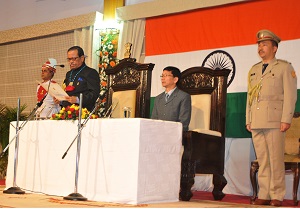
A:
x,y
129,85
291,158
204,144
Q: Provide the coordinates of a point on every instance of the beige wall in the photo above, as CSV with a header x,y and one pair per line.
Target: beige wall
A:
x,y
24,50
21,65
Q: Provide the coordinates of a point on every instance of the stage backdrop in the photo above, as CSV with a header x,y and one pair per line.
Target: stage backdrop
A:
x,y
186,39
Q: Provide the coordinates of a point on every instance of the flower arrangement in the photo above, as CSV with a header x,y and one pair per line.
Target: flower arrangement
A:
x,y
108,48
108,58
72,113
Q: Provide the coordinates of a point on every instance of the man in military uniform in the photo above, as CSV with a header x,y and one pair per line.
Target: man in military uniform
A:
x,y
271,99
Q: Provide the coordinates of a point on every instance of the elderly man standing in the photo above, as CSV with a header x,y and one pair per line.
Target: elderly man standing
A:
x,y
80,79
271,99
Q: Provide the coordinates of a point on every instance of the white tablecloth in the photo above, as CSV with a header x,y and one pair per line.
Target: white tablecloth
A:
x,y
121,160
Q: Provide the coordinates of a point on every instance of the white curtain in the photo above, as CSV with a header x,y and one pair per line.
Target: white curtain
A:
x,y
88,40
133,32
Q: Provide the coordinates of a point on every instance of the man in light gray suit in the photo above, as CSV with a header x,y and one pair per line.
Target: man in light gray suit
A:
x,y
173,104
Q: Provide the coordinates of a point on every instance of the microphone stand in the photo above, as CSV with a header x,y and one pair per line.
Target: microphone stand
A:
x,y
76,195
107,111
47,116
15,189
82,126
19,129
111,112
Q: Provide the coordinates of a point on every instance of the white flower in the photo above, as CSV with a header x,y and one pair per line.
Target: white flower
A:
x,y
110,46
102,92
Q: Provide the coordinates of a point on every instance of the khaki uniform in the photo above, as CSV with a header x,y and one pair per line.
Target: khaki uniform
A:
x,y
271,100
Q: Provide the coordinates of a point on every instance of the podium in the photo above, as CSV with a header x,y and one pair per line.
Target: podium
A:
x,y
127,160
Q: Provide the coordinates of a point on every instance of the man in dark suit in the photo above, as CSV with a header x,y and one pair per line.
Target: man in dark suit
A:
x,y
80,79
173,104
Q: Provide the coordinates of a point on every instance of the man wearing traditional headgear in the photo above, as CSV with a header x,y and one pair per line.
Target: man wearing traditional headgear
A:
x,y
271,99
48,106
80,79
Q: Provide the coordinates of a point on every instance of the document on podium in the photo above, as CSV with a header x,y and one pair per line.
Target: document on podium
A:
x,y
55,90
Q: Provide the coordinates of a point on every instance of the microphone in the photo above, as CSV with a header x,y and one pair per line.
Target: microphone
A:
x,y
59,66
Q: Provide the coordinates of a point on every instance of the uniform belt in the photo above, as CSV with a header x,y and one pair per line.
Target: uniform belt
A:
x,y
271,98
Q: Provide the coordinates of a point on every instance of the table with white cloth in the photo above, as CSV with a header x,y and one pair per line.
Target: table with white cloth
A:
x,y
126,160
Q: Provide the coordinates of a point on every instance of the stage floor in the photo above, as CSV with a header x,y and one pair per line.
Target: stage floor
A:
x,y
33,200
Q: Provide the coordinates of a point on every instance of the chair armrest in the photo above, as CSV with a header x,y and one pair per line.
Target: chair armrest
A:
x,y
208,132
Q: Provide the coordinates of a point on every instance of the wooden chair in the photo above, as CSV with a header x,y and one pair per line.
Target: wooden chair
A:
x,y
129,85
291,159
204,144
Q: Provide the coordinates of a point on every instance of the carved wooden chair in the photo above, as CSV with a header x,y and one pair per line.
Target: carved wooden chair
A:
x,y
204,144
291,159
129,85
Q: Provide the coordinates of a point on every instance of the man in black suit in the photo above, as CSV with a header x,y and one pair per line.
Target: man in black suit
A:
x,y
173,104
80,79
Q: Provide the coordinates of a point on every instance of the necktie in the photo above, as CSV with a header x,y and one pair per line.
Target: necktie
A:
x,y
264,68
167,97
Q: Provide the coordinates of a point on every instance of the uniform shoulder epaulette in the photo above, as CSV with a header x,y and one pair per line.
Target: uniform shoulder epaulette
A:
x,y
256,64
284,61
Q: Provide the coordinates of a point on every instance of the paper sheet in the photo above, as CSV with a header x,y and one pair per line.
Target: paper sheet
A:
x,y
55,90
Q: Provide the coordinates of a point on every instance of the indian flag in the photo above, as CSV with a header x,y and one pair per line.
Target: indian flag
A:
x,y
186,39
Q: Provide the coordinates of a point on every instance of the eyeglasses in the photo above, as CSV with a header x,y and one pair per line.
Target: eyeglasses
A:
x,y
72,59
163,76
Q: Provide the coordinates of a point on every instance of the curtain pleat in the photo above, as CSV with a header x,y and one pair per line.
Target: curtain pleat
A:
x,y
87,40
